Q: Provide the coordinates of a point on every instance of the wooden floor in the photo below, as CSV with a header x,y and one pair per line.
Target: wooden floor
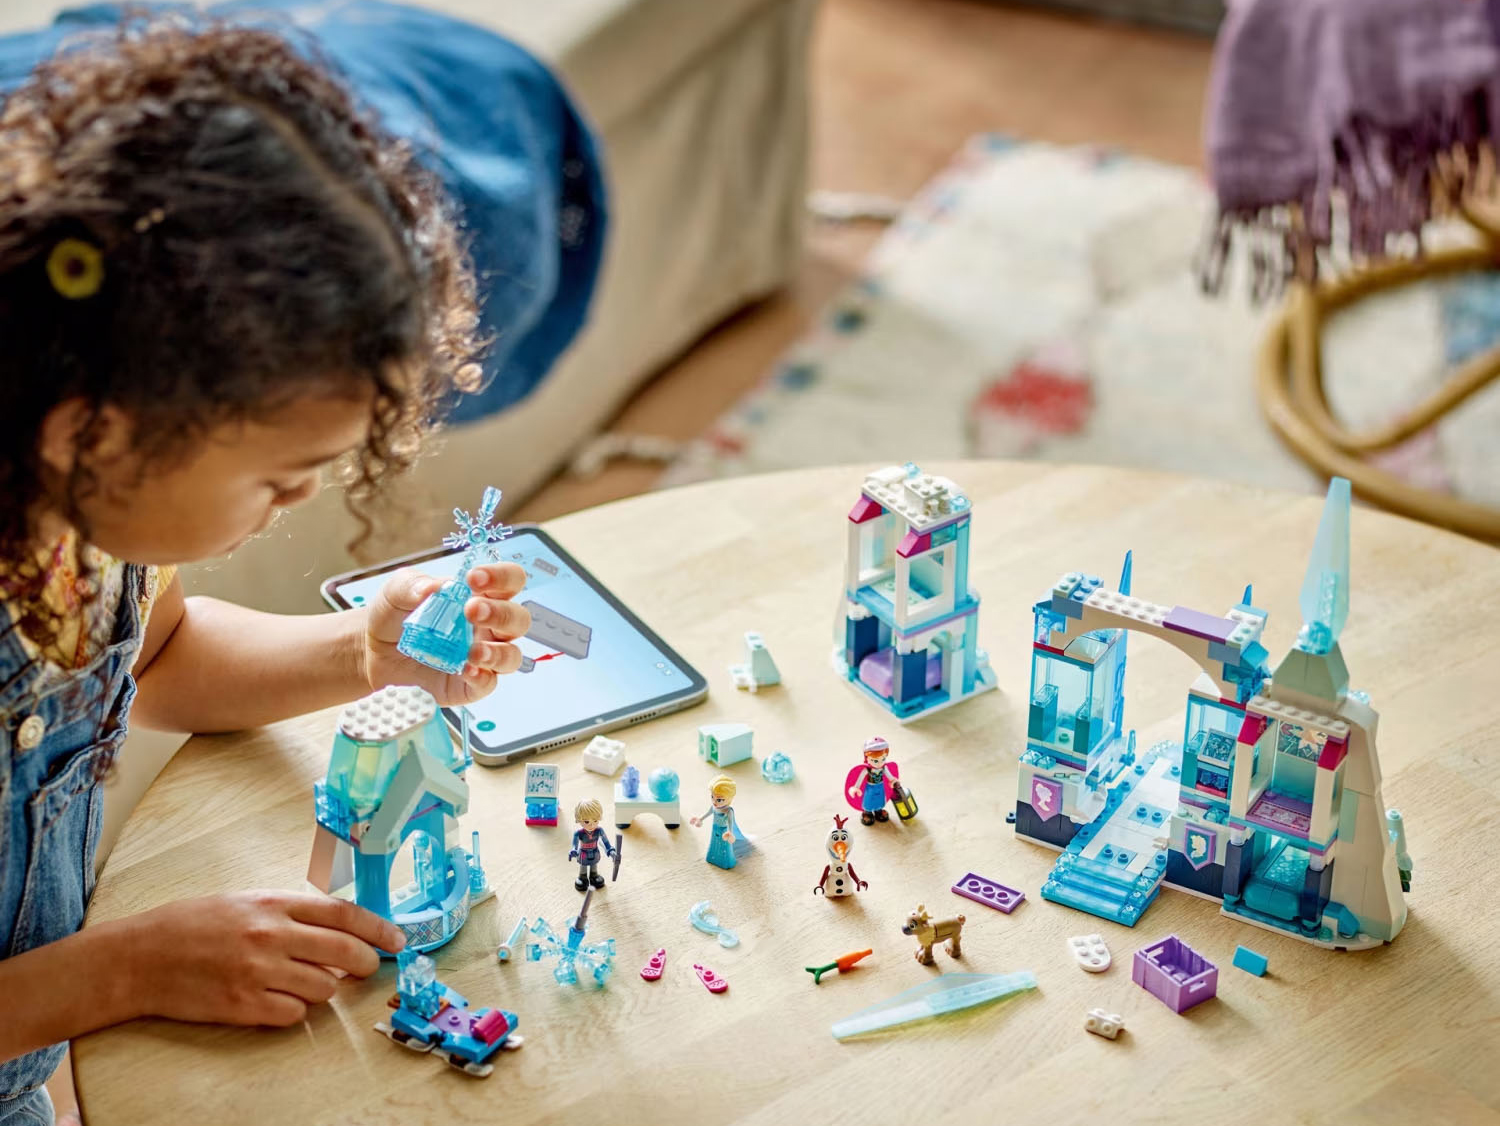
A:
x,y
899,85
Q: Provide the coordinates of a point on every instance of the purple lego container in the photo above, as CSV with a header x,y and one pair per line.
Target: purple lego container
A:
x,y
1172,971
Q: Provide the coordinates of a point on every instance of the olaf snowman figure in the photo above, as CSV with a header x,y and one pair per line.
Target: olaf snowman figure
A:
x,y
839,877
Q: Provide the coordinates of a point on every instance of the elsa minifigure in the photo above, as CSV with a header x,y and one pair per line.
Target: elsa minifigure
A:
x,y
726,841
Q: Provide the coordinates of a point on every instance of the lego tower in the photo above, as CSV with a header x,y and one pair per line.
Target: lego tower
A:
x,y
909,619
395,774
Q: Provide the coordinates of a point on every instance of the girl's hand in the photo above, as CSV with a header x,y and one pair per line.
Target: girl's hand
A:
x,y
257,957
496,620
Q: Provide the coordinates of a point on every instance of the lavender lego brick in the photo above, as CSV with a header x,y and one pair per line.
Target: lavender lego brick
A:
x,y
876,671
1175,973
988,892
1198,624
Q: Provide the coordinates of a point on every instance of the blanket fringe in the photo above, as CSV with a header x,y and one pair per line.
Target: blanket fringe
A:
x,y
1380,188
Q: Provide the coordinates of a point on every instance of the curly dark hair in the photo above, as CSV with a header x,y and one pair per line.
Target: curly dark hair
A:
x,y
261,238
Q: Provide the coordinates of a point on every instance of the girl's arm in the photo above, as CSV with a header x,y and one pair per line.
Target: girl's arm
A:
x,y
207,665
64,989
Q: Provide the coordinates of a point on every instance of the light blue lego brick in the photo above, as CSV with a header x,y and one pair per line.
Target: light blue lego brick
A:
x,y
1067,606
1229,654
1249,961
1086,587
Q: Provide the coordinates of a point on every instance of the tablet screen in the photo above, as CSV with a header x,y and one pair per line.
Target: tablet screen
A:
x,y
588,660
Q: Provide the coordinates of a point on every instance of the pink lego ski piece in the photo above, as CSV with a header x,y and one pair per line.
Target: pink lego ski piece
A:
x,y
653,969
711,981
988,892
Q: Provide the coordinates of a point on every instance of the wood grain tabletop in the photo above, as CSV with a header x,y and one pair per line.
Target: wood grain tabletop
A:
x,y
1406,1033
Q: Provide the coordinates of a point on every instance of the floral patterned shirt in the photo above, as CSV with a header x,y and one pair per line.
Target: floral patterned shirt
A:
x,y
83,589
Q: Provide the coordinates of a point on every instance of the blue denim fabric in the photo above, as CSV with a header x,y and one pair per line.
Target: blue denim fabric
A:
x,y
51,803
512,149
31,1109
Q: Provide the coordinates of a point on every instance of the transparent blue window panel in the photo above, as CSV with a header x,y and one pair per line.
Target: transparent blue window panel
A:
x,y
1059,689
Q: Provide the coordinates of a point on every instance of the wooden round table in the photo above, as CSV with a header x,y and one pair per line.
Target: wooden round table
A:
x,y
1402,1034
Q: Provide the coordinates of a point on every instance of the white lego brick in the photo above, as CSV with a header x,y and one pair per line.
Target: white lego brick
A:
x,y
387,713
1136,609
758,668
923,501
1090,952
604,756
1100,1023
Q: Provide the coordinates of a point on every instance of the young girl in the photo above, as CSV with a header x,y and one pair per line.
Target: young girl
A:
x,y
217,278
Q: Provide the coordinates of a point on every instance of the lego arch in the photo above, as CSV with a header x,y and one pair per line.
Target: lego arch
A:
x,y
1082,611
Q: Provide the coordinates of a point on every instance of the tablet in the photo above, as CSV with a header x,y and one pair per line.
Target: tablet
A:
x,y
590,665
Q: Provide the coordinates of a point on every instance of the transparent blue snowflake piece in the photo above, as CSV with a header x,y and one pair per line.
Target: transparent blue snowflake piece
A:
x,y
436,633
594,959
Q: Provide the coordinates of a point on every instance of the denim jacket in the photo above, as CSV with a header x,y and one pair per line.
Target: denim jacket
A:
x,y
58,734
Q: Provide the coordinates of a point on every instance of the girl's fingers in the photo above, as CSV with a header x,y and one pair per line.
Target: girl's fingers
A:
x,y
498,580
336,949
474,684
494,656
341,915
398,598
312,984
278,1009
503,620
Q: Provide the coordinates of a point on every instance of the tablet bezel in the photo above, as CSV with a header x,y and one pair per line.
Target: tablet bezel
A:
x,y
695,691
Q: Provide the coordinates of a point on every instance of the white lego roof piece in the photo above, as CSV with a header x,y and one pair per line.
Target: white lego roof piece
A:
x,y
1137,609
387,713
924,501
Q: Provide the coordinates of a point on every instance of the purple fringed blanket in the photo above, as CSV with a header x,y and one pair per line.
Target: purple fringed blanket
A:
x,y
1356,101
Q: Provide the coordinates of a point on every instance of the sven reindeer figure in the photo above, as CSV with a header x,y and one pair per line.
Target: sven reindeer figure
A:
x,y
929,933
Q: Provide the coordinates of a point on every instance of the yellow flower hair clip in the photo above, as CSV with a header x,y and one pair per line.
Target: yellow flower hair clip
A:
x,y
75,268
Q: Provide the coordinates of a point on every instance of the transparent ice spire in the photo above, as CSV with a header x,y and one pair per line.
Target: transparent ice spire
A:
x,y
1325,590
